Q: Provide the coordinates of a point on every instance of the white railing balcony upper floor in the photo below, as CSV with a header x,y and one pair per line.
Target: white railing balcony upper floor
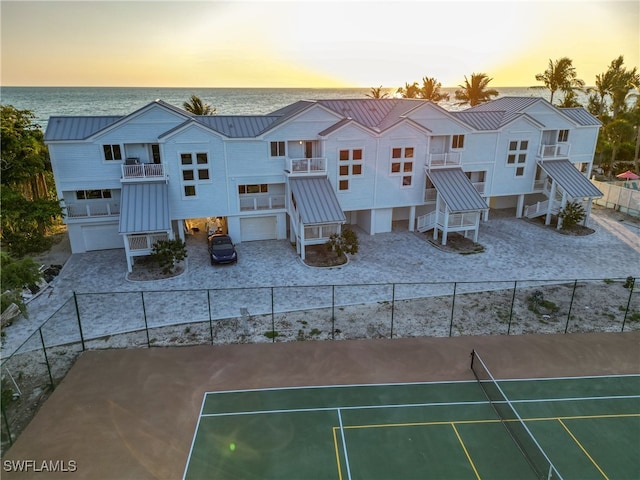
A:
x,y
559,150
136,172
92,209
443,160
306,166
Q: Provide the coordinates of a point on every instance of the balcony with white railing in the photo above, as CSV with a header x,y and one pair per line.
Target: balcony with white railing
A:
x,y
137,172
559,150
92,209
261,202
456,221
143,244
443,160
306,166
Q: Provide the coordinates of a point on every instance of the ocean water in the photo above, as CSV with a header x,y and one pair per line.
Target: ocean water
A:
x,y
45,102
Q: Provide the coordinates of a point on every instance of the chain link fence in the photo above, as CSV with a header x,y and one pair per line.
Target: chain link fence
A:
x,y
145,319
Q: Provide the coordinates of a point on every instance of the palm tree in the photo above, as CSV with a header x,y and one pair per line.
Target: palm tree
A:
x,y
376,92
475,92
430,90
409,91
560,75
623,82
197,107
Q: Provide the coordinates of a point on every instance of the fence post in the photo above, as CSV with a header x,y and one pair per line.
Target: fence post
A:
x,y
513,300
333,312
273,319
393,302
210,321
6,423
144,314
75,299
46,359
453,306
626,312
573,295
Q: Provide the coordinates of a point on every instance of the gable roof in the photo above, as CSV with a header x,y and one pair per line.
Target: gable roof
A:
x,y
581,116
374,113
76,128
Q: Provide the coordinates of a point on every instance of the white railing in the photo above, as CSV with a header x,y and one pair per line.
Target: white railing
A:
x,y
559,150
142,171
261,202
479,186
436,160
145,242
457,221
320,232
430,194
540,208
92,209
306,166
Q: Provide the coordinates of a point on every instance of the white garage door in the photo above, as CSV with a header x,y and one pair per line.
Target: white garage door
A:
x,y
258,228
102,237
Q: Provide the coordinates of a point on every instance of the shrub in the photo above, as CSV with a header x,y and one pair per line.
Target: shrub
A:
x,y
169,252
572,214
345,242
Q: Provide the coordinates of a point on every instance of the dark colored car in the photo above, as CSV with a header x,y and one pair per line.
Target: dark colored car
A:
x,y
221,249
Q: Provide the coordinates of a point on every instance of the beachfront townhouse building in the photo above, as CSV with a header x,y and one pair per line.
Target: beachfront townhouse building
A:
x,y
304,171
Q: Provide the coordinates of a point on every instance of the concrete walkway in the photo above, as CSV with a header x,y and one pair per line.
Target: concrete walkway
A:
x,y
515,249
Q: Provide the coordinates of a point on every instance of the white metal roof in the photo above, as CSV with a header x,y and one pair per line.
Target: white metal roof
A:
x,y
570,179
316,201
144,208
457,190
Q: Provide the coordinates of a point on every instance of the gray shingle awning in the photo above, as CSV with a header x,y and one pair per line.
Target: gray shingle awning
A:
x,y
570,179
316,201
145,208
457,190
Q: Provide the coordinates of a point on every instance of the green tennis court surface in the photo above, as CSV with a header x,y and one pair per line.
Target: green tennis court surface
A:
x,y
589,428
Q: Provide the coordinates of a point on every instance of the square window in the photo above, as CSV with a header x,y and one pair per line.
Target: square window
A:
x,y
264,188
408,152
203,174
519,171
80,195
408,167
524,144
513,145
396,153
356,169
395,167
344,170
563,135
185,159
277,149
189,190
457,141
511,159
106,193
201,158
357,154
344,154
187,175
242,189
406,180
522,158
344,185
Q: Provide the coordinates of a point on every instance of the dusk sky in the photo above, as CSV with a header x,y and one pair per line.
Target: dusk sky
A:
x,y
346,43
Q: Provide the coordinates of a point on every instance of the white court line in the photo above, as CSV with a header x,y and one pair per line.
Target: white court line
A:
x,y
344,446
193,441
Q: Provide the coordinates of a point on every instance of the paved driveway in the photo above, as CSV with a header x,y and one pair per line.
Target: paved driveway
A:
x,y
515,249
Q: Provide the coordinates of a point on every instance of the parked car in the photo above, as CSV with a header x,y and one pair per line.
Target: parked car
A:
x,y
221,249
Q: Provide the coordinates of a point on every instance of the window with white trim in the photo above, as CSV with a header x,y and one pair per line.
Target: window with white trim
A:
x,y
112,152
93,194
457,142
402,164
349,166
278,149
517,155
563,136
253,189
194,168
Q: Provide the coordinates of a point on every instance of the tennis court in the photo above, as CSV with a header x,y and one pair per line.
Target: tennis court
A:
x,y
565,428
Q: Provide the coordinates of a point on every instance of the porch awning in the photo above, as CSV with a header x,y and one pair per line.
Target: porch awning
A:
x,y
569,178
457,190
144,208
316,201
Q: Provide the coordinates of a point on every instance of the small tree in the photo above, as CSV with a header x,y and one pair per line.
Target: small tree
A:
x,y
15,275
169,252
345,242
571,215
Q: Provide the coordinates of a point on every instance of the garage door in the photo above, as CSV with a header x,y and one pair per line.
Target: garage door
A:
x,y
102,237
258,228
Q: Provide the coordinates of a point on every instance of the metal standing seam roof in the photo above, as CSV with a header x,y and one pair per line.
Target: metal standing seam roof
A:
x,y
238,126
144,208
457,190
316,201
570,179
76,128
581,116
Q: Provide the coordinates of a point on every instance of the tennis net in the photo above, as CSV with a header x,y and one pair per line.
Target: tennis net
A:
x,y
518,430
